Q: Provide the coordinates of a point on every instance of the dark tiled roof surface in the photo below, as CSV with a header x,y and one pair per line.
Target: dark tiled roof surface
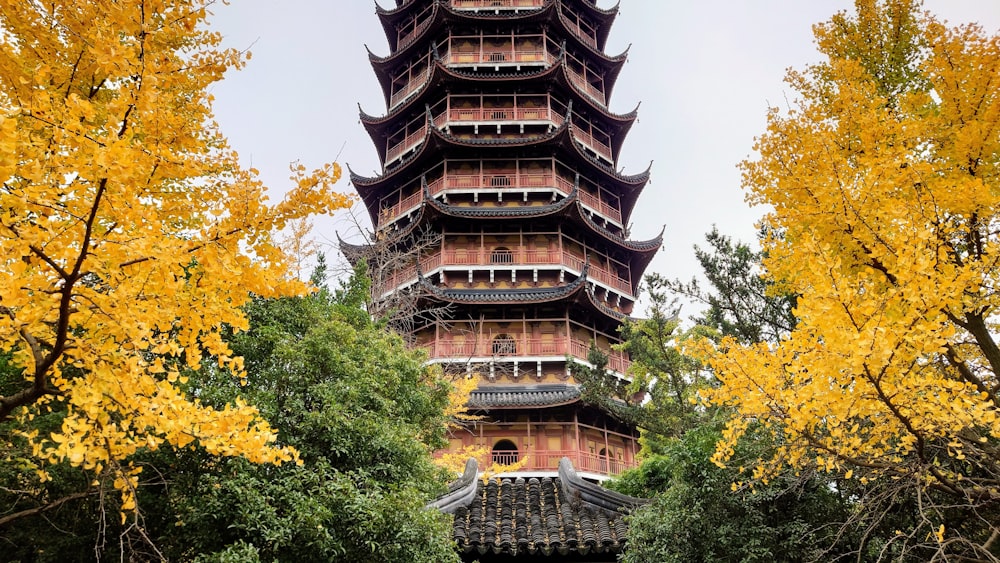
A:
x,y
596,303
651,245
535,516
501,212
506,296
508,396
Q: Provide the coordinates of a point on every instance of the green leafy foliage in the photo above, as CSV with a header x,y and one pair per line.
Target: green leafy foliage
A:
x,y
697,516
739,302
364,414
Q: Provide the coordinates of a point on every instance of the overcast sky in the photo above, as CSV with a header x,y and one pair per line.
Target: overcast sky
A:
x,y
705,73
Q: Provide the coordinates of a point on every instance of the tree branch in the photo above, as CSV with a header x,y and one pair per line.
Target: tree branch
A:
x,y
7,520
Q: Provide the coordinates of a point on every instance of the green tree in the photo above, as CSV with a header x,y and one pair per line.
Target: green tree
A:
x,y
699,515
365,415
740,301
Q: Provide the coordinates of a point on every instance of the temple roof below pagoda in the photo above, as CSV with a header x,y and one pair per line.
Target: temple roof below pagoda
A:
x,y
540,516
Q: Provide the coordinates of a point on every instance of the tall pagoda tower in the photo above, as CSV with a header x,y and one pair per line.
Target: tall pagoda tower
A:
x,y
500,189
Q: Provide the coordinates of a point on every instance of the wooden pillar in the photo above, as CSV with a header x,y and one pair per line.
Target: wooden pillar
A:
x,y
527,446
607,447
578,447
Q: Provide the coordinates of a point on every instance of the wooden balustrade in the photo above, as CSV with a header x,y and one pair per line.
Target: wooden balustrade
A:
x,y
516,257
497,56
524,180
389,214
602,207
399,149
458,115
479,4
597,146
587,36
506,180
408,38
522,346
586,87
513,257
609,278
412,86
548,460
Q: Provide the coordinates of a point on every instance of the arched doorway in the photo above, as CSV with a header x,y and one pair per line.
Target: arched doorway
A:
x,y
504,345
505,452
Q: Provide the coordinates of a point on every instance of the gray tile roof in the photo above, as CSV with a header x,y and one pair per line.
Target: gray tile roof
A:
x,y
507,396
539,516
505,296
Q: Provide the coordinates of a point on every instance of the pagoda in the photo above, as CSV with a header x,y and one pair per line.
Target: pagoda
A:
x,y
501,192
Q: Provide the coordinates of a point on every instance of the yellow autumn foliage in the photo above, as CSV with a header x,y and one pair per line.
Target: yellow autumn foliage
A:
x,y
130,236
457,412
883,181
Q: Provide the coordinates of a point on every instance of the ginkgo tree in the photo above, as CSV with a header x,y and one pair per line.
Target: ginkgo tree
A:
x,y
130,236
883,181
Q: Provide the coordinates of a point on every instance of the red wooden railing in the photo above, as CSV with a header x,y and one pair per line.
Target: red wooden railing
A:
x,y
521,180
602,207
587,35
499,55
522,346
412,86
520,257
389,214
595,145
499,114
404,39
475,4
399,149
505,180
548,460
587,88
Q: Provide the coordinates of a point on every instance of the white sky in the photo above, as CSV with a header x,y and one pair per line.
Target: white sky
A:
x,y
704,71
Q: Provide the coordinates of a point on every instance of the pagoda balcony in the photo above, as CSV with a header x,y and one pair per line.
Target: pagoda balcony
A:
x,y
412,86
477,5
548,460
498,183
498,51
406,33
501,56
592,140
390,214
614,452
512,259
495,184
593,92
490,115
582,29
528,258
459,110
521,348
410,80
502,180
584,132
411,141
589,139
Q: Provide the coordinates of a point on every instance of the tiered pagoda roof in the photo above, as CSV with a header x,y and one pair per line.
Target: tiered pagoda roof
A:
x,y
497,138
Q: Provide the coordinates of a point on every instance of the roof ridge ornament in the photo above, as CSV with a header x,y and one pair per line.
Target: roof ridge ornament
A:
x,y
461,492
575,487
